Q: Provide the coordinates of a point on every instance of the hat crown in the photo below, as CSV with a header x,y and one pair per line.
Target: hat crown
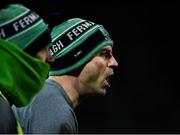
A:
x,y
23,27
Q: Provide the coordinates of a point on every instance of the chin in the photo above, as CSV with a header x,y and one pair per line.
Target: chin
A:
x,y
102,92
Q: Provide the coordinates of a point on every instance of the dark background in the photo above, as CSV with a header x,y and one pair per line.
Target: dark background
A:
x,y
143,97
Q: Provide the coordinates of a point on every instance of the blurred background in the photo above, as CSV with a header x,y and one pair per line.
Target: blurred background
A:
x,y
143,97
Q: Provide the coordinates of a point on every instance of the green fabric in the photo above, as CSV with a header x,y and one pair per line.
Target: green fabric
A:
x,y
21,75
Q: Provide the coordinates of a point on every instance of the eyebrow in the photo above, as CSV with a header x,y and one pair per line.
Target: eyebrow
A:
x,y
105,50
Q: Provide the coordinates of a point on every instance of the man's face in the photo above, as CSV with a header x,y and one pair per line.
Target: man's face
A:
x,y
95,75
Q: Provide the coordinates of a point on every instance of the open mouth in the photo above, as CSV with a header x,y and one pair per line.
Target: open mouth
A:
x,y
108,80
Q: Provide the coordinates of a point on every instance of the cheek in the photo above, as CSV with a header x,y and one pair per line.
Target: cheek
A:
x,y
90,72
94,71
100,66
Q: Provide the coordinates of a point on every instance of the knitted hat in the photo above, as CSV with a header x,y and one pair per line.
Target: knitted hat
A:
x,y
24,27
74,42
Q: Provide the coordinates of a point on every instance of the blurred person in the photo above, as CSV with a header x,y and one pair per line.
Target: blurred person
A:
x,y
24,37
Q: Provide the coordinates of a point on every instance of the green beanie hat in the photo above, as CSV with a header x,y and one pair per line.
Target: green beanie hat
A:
x,y
24,28
74,42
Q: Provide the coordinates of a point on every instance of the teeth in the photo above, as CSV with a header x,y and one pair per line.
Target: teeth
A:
x,y
108,82
109,85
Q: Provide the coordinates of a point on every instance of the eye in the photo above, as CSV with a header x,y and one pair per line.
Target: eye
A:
x,y
105,53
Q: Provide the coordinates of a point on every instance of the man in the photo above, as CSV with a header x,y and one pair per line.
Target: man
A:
x,y
24,37
83,65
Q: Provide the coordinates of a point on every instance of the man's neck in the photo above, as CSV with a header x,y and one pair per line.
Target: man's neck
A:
x,y
70,85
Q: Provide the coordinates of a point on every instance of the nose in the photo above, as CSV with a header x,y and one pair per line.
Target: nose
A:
x,y
45,56
49,58
113,63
